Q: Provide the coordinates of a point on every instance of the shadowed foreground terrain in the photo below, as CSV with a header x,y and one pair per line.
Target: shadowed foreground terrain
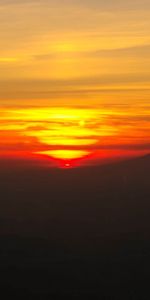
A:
x,y
75,233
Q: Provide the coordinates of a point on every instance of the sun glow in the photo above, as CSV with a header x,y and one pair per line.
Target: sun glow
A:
x,y
70,135
65,154
67,165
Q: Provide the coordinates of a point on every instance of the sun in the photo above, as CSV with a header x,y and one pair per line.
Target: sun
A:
x,y
67,165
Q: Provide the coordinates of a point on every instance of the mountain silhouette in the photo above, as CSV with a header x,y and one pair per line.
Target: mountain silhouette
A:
x,y
75,232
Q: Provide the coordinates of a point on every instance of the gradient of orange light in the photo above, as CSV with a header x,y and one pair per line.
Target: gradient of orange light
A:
x,y
71,133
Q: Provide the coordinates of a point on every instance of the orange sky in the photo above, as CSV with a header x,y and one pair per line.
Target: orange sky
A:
x,y
70,133
74,78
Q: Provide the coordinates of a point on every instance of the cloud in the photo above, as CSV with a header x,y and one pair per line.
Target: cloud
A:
x,y
91,4
134,51
53,89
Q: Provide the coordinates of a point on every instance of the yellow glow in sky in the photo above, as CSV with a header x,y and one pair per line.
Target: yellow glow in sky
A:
x,y
69,133
74,76
65,154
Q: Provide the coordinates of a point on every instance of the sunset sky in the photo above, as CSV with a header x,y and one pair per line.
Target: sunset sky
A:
x,y
74,78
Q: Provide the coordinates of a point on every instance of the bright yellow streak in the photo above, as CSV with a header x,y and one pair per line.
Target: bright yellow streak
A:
x,y
8,59
65,154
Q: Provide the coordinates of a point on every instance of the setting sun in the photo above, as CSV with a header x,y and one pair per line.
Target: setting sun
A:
x,y
75,133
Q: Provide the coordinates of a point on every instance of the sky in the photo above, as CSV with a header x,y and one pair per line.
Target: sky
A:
x,y
74,78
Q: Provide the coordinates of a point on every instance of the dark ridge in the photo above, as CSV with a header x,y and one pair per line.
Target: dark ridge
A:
x,y
75,233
